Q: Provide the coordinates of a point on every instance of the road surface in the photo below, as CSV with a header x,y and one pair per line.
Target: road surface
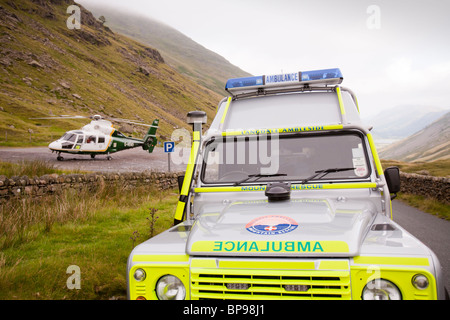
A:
x,y
131,160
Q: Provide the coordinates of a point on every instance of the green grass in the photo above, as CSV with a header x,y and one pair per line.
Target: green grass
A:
x,y
30,168
440,168
95,233
425,204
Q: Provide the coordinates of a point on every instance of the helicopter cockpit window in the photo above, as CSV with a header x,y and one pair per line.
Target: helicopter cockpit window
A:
x,y
72,138
91,139
80,139
120,134
69,137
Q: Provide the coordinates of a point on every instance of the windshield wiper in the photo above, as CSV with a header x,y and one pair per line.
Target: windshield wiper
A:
x,y
259,175
325,172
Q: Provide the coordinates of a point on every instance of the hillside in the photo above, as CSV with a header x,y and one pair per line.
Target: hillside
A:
x,y
185,55
429,144
48,69
403,121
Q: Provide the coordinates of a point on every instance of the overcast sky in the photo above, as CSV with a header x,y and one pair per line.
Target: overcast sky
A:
x,y
391,53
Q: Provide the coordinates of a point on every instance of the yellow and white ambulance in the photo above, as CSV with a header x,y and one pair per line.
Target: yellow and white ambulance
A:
x,y
284,197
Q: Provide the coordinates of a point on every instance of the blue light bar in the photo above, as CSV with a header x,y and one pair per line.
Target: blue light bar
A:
x,y
244,82
319,75
248,84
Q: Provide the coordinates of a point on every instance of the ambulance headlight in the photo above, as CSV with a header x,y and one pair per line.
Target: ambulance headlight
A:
x,y
380,289
170,287
420,281
139,275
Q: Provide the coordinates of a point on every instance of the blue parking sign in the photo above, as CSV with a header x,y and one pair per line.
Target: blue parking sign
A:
x,y
169,146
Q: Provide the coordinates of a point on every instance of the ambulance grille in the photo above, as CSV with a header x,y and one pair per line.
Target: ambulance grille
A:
x,y
269,284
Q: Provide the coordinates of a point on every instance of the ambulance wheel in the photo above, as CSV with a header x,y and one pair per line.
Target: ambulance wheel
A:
x,y
92,156
108,158
59,158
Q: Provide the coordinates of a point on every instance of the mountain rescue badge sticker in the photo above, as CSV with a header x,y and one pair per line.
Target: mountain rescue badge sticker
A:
x,y
271,225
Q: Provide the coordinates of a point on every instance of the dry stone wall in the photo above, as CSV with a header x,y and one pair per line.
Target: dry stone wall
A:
x,y
54,183
428,186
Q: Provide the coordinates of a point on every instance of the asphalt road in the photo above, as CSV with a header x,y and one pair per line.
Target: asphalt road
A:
x,y
432,231
131,160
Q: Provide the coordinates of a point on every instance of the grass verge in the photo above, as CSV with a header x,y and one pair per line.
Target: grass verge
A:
x,y
30,168
94,230
439,168
425,204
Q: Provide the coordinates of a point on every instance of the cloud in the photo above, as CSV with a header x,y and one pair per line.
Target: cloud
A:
x,y
404,59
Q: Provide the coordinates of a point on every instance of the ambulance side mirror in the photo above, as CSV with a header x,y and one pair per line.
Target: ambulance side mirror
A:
x,y
392,175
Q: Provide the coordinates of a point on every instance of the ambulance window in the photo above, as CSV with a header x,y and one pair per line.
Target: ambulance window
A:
x,y
91,139
101,139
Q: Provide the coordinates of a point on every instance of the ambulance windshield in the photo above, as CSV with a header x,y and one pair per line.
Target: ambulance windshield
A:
x,y
291,157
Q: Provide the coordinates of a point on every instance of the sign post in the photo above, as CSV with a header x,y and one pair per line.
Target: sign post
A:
x,y
169,147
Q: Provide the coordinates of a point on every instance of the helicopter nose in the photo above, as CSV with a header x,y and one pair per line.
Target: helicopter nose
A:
x,y
55,145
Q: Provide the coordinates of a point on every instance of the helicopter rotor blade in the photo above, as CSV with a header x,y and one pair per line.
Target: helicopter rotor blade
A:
x,y
125,120
95,117
61,117
137,123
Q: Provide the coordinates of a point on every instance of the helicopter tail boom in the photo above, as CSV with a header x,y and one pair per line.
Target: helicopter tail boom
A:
x,y
150,138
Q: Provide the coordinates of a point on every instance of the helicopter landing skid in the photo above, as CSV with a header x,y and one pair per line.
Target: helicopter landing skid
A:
x,y
60,158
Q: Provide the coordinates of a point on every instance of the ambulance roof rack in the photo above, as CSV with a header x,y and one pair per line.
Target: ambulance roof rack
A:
x,y
296,80
328,80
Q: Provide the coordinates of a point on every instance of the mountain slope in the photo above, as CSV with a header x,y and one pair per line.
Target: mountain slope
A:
x,y
46,68
401,122
429,144
185,55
